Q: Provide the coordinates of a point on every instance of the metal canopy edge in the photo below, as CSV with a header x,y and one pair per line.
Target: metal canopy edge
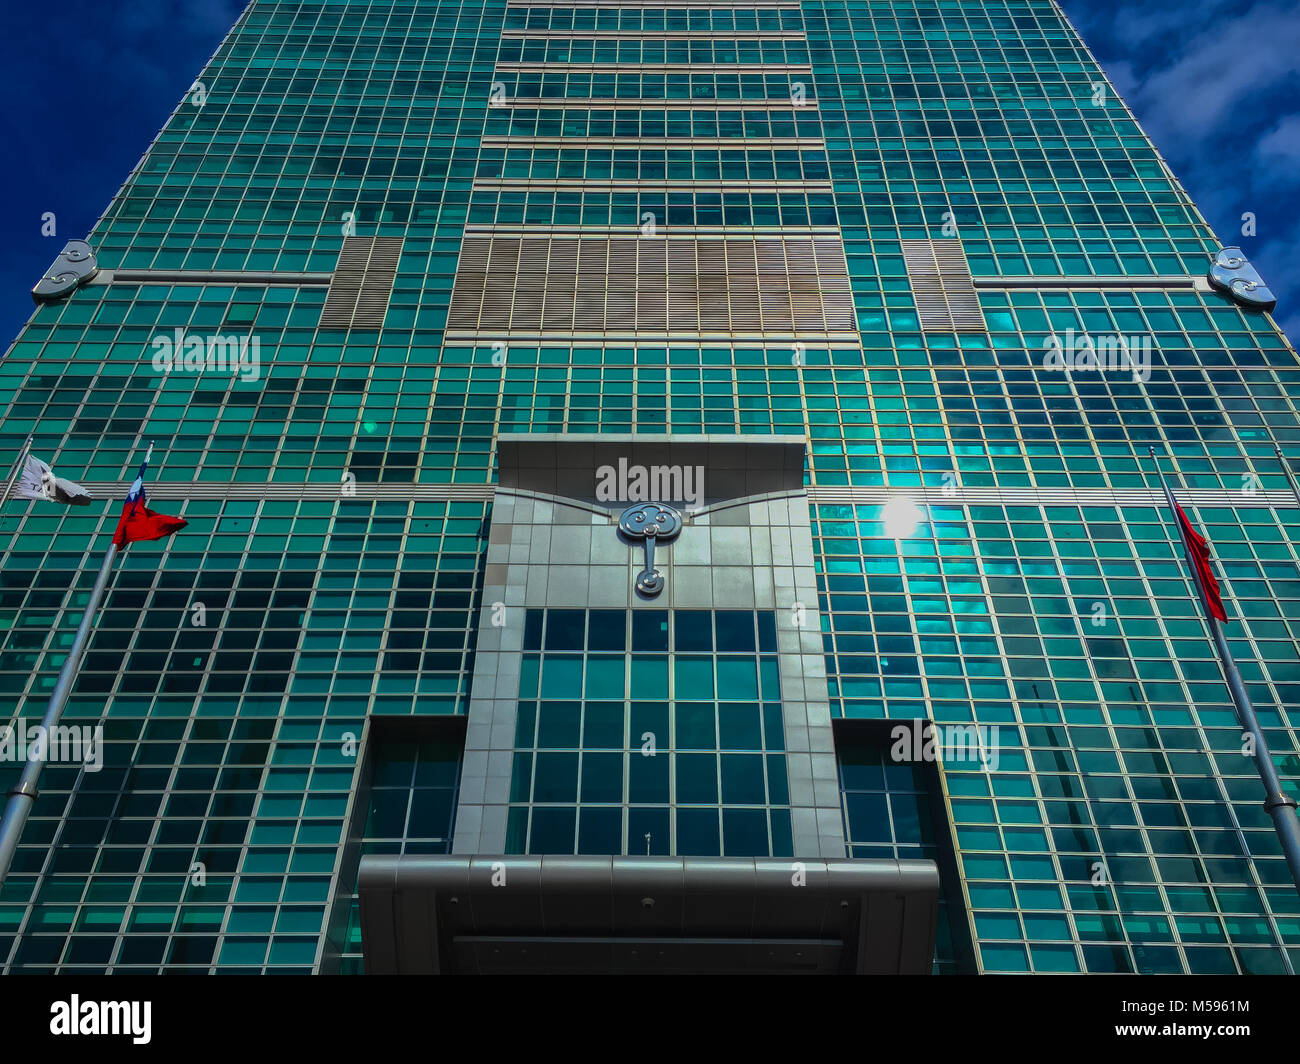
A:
x,y
460,914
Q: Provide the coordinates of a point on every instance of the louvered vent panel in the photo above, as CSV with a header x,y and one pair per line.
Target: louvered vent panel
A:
x,y
683,287
362,283
742,281
963,300
652,285
712,258
593,260
345,285
561,285
774,285
620,296
945,295
467,298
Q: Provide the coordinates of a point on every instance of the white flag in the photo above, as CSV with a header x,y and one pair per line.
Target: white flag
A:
x,y
37,481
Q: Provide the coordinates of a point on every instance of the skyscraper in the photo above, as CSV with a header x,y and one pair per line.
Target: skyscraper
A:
x,y
666,433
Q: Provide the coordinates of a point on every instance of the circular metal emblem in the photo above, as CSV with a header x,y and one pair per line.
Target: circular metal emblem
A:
x,y
652,522
650,519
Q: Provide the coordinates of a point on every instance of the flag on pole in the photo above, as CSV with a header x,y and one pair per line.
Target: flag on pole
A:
x,y
1198,549
37,480
138,522
1280,806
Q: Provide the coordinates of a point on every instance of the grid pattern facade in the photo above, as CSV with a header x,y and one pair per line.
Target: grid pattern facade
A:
x,y
672,737
226,743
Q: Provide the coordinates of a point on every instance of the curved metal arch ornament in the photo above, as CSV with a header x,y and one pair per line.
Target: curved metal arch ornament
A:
x,y
655,523
74,266
1233,275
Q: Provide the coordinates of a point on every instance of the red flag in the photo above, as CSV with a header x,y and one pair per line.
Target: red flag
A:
x,y
1199,549
139,523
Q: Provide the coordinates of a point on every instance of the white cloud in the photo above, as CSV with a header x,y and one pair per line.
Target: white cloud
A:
x,y
1215,75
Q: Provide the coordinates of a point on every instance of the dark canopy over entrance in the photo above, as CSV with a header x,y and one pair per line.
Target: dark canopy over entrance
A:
x,y
669,915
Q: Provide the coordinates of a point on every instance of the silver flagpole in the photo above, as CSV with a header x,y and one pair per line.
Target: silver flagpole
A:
x,y
1286,468
23,796
1281,807
18,470
27,447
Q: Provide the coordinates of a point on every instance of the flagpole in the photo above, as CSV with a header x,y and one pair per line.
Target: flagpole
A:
x,y
27,447
18,470
1286,468
23,796
1280,806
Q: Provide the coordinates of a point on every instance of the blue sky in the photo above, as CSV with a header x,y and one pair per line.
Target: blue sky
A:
x,y
1216,86
86,86
1215,83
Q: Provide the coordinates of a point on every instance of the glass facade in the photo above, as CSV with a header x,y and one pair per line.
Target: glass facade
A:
x,y
596,712
340,499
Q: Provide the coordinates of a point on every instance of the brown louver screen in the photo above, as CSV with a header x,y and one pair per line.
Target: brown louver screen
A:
x,y
945,295
562,285
362,283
